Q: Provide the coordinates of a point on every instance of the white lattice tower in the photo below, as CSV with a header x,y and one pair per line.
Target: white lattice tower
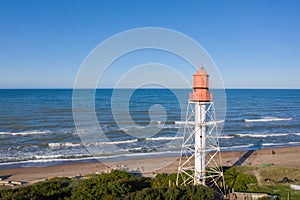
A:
x,y
200,152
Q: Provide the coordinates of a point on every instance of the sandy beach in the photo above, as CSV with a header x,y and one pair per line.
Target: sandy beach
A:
x,y
286,157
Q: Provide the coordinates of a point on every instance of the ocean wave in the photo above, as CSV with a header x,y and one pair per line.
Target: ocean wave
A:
x,y
258,135
132,128
36,132
171,126
65,144
264,145
115,129
294,143
54,159
5,133
163,138
220,136
281,144
225,136
157,124
277,144
268,119
183,122
49,157
237,147
78,144
118,142
193,123
24,147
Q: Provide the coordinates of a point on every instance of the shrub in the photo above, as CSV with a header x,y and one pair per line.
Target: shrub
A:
x,y
116,185
239,179
163,180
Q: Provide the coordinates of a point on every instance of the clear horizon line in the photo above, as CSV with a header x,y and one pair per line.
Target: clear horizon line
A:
x,y
236,88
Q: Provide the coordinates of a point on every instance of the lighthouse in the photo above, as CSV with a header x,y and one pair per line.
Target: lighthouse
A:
x,y
200,97
200,146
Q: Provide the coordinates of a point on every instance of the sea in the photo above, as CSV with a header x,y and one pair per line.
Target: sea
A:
x,y
40,127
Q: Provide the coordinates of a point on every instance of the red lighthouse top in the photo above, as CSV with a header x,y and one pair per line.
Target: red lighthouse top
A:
x,y
201,72
200,88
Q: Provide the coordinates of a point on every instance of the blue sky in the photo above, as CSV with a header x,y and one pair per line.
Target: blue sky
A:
x,y
255,44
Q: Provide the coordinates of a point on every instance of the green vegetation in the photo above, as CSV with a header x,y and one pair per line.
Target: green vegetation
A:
x,y
240,178
115,185
53,189
123,185
266,179
277,180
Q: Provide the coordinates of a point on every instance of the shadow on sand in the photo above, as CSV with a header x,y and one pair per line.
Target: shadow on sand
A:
x,y
240,161
243,158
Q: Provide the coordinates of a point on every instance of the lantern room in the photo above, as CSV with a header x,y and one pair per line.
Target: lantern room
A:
x,y
200,88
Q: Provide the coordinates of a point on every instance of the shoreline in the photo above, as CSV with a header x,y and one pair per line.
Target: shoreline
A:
x,y
117,158
149,166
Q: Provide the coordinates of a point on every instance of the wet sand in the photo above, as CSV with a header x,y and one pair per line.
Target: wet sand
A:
x,y
285,157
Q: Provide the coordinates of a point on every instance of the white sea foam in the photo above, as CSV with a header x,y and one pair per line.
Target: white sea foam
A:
x,y
193,123
238,147
48,157
268,119
51,158
263,144
225,136
273,144
157,122
140,139
85,157
155,125
281,144
217,122
118,142
293,143
175,126
258,135
164,138
124,129
129,130
70,144
36,132
5,133
183,122
221,136
65,144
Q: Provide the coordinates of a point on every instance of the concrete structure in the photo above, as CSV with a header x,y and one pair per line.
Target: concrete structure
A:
x,y
248,196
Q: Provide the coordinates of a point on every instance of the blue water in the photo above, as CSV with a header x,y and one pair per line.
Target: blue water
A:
x,y
37,126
